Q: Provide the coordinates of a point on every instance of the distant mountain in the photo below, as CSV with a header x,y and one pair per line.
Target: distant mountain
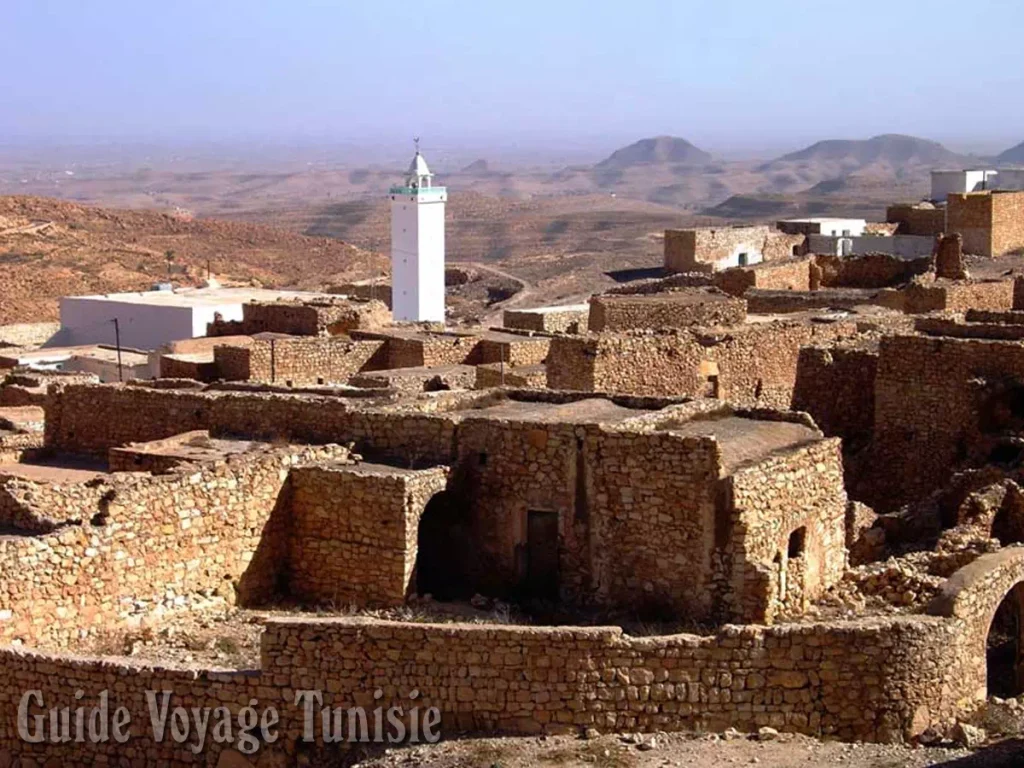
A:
x,y
890,149
659,150
1012,156
477,166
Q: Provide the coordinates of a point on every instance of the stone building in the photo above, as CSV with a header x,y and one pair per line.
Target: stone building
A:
x,y
678,309
692,508
711,249
751,364
990,223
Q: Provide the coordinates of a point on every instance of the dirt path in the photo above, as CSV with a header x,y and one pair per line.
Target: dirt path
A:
x,y
494,312
689,751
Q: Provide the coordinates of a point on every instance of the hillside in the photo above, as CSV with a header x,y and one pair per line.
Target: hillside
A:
x,y
890,149
51,248
1012,156
660,149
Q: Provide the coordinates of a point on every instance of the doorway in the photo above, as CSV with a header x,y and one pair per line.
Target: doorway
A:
x,y
541,555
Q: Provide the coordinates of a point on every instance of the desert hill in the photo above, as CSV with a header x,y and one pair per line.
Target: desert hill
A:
x,y
892,149
660,149
51,248
477,166
1012,156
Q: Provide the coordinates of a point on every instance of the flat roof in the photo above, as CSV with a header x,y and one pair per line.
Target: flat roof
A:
x,y
595,410
202,297
820,219
743,440
696,295
93,351
549,310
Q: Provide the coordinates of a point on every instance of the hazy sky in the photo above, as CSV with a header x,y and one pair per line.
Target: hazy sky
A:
x,y
724,73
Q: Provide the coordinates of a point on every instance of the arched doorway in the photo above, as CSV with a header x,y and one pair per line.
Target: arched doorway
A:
x,y
1003,652
444,544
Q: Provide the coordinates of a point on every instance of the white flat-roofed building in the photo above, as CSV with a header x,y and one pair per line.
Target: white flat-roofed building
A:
x,y
823,226
946,183
149,319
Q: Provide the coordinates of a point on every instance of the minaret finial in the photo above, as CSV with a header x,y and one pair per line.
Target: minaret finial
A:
x,y
416,142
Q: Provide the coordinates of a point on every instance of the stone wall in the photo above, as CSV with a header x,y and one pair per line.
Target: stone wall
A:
x,y
678,309
296,359
958,295
931,397
137,545
748,365
1007,223
653,534
188,366
916,219
875,270
571,319
413,380
788,532
873,680
513,350
352,532
970,215
698,250
93,418
321,317
783,275
836,385
972,596
523,377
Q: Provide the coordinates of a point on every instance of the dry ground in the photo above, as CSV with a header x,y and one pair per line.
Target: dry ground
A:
x,y
687,751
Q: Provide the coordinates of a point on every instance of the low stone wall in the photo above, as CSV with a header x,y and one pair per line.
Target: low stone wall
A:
x,y
140,544
915,219
324,317
496,375
875,270
873,680
413,380
958,296
94,418
784,275
296,359
570,319
188,366
679,309
513,350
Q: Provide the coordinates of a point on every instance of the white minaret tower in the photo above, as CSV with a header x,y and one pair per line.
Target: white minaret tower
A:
x,y
417,245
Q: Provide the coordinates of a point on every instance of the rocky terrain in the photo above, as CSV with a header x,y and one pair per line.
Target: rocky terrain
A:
x,y
689,750
50,248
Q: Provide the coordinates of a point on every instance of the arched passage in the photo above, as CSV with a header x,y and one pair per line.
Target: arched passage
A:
x,y
444,544
1004,649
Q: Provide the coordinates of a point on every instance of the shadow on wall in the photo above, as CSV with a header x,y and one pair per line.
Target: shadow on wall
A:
x,y
265,579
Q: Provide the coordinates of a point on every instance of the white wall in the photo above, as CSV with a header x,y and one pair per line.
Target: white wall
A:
x,y
1010,178
417,256
945,183
902,246
754,256
142,326
839,227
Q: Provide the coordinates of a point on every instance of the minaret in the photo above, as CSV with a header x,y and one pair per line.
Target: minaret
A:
x,y
417,245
